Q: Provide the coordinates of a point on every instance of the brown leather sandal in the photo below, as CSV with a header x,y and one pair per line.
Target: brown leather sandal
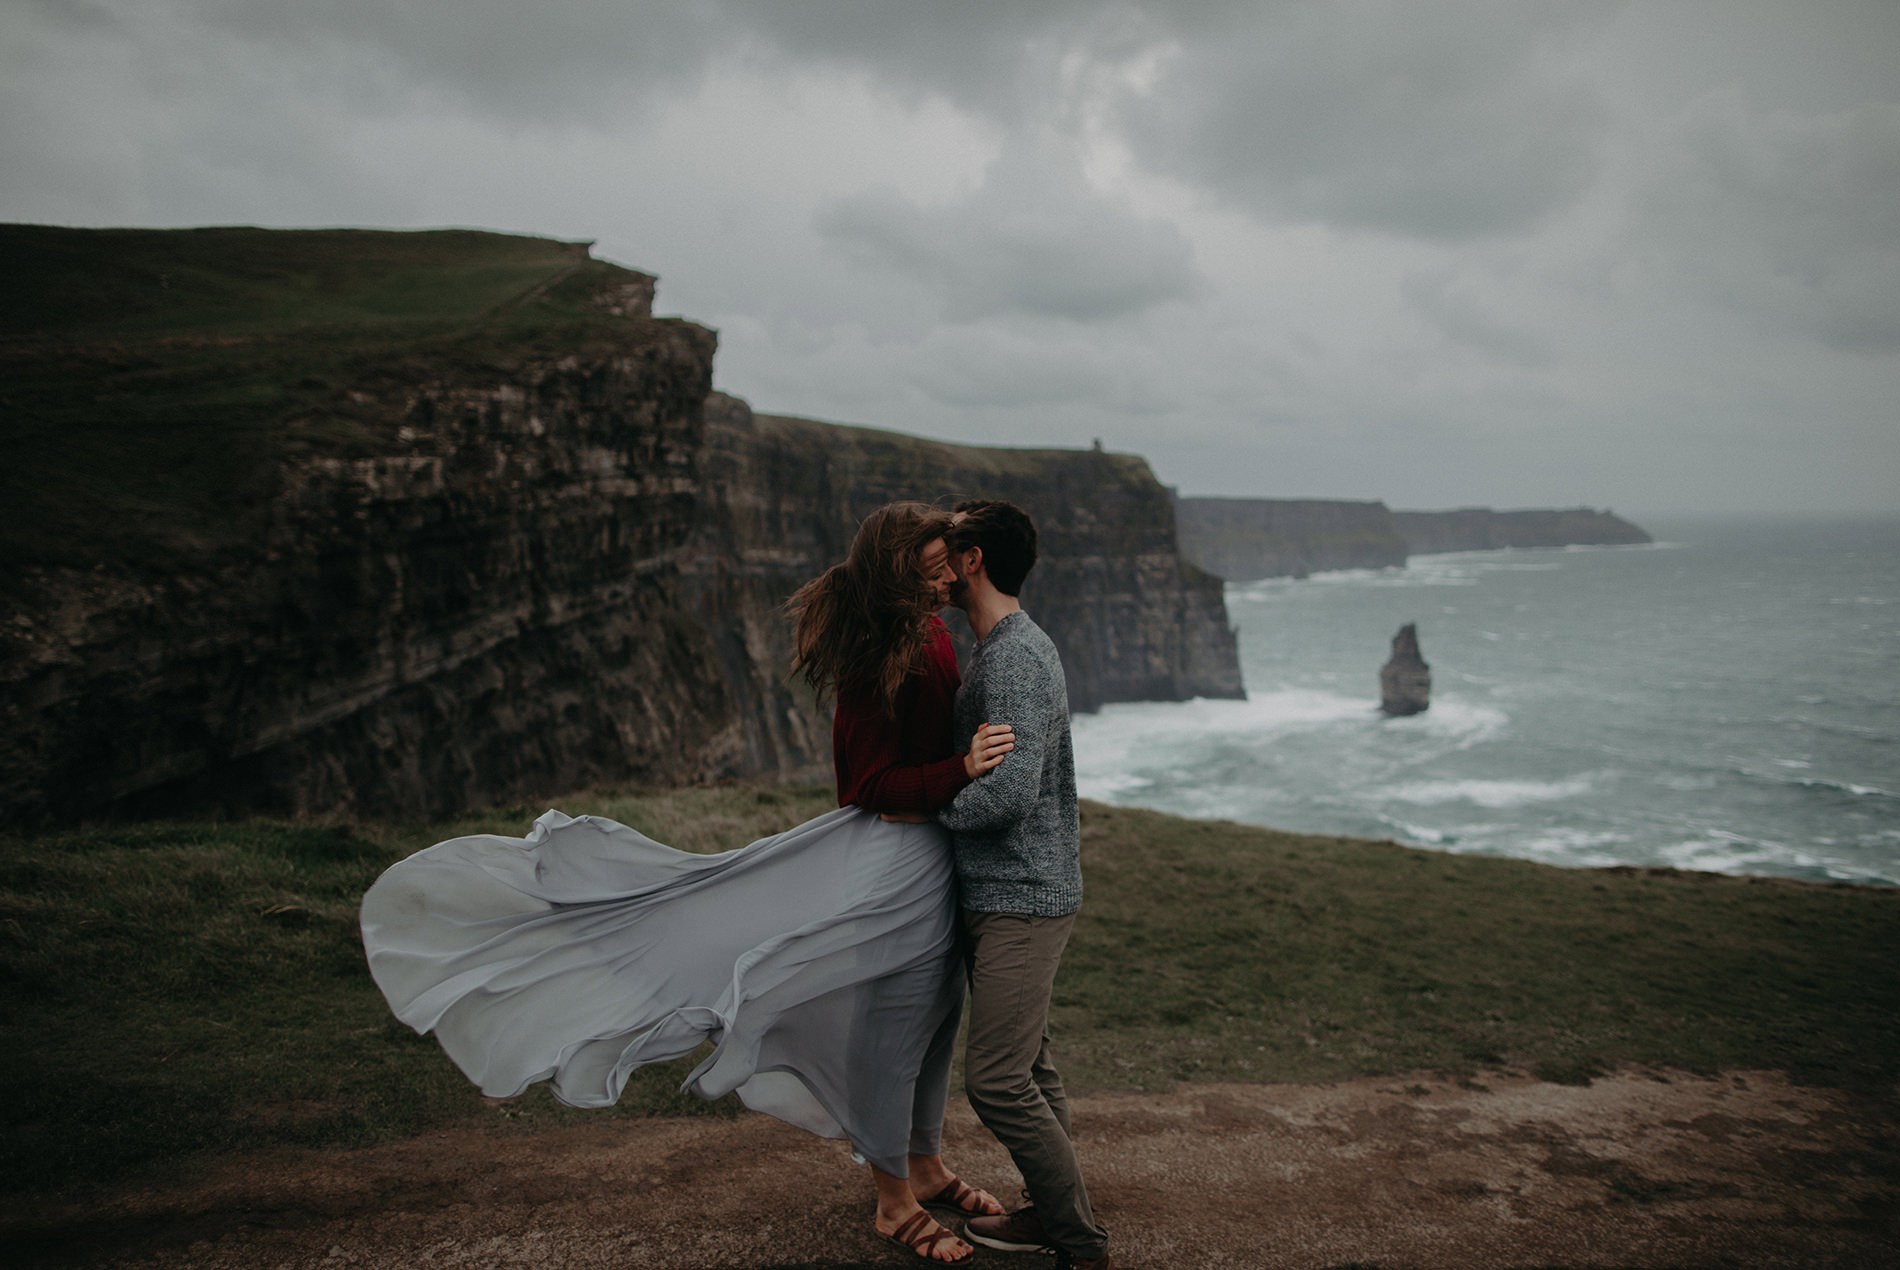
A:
x,y
961,1196
912,1237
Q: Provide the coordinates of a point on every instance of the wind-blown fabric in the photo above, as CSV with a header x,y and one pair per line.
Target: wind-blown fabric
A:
x,y
821,962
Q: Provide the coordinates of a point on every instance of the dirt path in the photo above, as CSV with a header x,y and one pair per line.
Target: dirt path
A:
x,y
1646,1169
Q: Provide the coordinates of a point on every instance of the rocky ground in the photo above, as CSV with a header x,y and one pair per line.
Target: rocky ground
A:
x,y
1639,1169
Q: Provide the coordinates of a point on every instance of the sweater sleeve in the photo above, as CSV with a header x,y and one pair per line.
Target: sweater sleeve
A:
x,y
869,749
919,788
1017,694
893,765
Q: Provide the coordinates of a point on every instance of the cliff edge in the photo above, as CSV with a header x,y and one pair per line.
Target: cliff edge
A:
x,y
399,524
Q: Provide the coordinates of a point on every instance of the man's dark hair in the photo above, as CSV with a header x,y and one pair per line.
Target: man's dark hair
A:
x,y
1006,534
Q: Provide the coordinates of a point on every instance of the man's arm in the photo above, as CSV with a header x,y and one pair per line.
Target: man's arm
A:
x,y
1016,691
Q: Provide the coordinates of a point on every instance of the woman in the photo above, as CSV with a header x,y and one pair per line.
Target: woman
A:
x,y
821,962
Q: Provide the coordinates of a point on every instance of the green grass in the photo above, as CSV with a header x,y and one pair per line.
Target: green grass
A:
x,y
170,989
1220,951
90,284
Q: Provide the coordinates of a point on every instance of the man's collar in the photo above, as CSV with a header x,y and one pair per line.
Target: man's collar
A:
x,y
1001,622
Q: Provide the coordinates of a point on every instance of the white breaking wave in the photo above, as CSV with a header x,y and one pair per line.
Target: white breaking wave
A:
x,y
1127,726
1814,782
1105,787
1487,793
1721,852
1228,758
1845,787
1583,848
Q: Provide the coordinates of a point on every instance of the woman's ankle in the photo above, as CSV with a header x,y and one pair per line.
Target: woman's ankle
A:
x,y
928,1174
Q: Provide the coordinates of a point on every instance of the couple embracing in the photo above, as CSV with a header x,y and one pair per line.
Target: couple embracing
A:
x,y
828,964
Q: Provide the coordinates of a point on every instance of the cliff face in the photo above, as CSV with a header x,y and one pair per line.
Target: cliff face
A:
x,y
495,611
519,571
1133,620
1242,539
1481,529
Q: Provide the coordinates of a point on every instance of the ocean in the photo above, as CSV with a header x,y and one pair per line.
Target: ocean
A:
x,y
1726,699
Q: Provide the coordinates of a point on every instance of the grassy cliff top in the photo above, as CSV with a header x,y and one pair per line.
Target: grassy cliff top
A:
x,y
901,458
155,379
132,284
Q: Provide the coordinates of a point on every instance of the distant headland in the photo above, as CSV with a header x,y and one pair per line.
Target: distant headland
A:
x,y
1243,539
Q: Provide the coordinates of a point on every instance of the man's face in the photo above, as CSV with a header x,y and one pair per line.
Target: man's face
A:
x,y
941,578
961,562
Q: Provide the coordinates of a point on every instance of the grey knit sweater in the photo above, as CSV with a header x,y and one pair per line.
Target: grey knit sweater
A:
x,y
1016,828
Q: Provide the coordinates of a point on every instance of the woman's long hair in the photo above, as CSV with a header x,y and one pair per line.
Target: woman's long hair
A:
x,y
860,626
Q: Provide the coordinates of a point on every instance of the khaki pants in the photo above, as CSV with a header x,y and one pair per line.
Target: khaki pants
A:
x,y
1008,1075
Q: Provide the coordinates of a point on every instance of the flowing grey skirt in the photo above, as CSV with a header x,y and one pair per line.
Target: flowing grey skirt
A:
x,y
821,962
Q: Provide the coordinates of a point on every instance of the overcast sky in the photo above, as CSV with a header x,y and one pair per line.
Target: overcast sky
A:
x,y
1639,255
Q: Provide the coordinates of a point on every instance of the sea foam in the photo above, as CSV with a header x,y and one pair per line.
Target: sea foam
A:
x,y
1488,793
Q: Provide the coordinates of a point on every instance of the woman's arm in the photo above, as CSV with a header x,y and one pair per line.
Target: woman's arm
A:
x,y
987,748
868,748
871,755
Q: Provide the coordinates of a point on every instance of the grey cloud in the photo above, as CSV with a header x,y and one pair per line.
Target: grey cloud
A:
x,y
1448,122
973,52
1441,121
1444,122
1030,241
564,59
1454,306
73,15
556,58
1794,220
977,367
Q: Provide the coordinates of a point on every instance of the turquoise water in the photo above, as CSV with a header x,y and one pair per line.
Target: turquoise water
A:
x,y
1726,699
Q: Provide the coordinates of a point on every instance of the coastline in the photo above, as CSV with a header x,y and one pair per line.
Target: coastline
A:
x,y
1715,701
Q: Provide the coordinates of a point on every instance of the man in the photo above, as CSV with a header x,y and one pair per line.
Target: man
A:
x,y
1017,838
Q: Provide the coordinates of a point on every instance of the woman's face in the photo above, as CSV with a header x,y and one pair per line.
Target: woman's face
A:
x,y
935,560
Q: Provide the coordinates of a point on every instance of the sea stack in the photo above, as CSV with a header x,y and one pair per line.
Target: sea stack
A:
x,y
1405,682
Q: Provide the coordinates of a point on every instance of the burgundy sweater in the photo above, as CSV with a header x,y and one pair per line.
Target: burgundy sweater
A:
x,y
911,763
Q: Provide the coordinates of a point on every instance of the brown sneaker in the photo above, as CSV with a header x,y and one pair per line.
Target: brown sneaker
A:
x,y
1020,1231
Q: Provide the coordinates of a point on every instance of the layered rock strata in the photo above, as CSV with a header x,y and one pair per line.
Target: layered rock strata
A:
x,y
548,571
1133,620
493,611
1242,539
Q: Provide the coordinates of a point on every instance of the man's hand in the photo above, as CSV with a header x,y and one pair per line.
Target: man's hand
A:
x,y
987,748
